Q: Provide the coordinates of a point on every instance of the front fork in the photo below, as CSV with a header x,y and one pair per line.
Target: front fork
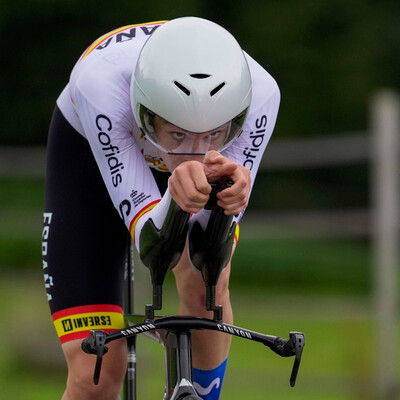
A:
x,y
178,365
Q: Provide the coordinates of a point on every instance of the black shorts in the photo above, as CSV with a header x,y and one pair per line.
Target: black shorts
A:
x,y
85,241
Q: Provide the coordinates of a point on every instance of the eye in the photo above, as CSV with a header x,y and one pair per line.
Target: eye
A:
x,y
179,136
215,135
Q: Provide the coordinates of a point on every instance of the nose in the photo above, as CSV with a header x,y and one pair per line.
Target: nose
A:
x,y
201,144
197,142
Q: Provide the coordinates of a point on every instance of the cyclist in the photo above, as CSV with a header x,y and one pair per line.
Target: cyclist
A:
x,y
152,113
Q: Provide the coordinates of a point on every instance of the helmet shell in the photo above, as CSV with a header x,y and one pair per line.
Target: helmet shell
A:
x,y
193,73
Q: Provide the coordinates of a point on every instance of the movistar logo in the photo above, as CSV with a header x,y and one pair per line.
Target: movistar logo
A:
x,y
204,391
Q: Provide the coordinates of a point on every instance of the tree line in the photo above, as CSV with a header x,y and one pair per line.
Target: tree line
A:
x,y
327,56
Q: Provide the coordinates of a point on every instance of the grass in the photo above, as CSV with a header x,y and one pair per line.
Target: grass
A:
x,y
28,369
21,210
307,265
337,363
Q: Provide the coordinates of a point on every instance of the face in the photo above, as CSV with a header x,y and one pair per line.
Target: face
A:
x,y
186,145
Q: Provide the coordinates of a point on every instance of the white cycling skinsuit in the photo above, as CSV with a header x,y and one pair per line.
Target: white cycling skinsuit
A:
x,y
96,103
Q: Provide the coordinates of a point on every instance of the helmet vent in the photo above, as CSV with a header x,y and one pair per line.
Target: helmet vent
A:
x,y
217,89
183,88
200,76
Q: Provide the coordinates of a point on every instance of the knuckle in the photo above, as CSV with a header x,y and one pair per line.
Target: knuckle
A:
x,y
203,187
172,178
193,164
173,192
246,171
179,171
244,183
192,195
242,196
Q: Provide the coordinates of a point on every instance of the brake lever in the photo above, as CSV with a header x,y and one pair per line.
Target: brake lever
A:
x,y
95,344
288,348
297,340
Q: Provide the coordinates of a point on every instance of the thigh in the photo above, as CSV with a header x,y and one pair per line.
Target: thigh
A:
x,y
84,239
190,284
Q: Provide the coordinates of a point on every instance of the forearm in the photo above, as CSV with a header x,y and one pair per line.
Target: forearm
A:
x,y
161,236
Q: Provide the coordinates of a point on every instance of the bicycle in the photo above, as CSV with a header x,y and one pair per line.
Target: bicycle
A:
x,y
174,332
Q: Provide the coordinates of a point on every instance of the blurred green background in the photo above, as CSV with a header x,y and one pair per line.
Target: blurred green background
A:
x,y
298,266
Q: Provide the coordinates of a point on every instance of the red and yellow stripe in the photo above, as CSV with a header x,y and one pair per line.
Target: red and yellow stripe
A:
x,y
76,322
139,215
237,230
103,38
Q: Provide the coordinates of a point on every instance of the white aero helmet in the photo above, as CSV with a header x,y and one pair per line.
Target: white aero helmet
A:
x,y
193,74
